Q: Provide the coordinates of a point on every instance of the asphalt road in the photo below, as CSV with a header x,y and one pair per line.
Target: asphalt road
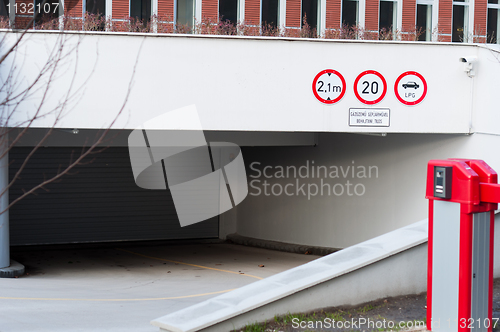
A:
x,y
124,288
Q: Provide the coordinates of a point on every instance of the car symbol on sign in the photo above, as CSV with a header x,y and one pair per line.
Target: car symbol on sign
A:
x,y
410,85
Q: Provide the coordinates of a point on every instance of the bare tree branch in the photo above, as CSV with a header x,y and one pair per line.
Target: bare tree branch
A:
x,y
60,108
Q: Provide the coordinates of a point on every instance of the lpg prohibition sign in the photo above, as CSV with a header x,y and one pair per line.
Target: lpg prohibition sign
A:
x,y
410,88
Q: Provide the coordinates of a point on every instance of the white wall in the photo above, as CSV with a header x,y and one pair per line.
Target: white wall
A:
x,y
486,86
246,83
257,84
394,199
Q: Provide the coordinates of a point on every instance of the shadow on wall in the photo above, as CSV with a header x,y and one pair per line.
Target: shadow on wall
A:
x,y
347,189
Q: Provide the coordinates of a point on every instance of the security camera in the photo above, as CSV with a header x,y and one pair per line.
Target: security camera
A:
x,y
469,59
468,62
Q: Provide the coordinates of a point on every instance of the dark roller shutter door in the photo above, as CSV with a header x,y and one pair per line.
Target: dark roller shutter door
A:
x,y
97,202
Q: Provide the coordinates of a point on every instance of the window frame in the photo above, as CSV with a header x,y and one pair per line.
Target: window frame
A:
x,y
195,9
428,33
278,15
358,4
396,16
467,19
495,6
319,4
150,10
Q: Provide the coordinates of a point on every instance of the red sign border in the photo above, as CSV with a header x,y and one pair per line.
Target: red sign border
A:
x,y
410,103
355,87
325,101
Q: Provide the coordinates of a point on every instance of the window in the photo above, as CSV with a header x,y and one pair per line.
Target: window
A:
x,y
387,23
4,10
350,16
46,11
140,9
185,13
460,27
228,11
310,13
96,7
493,22
269,13
424,20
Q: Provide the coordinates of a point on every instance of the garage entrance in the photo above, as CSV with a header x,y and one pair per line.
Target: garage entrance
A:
x,y
97,202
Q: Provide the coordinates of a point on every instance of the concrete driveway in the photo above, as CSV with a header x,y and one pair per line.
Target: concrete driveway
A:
x,y
123,288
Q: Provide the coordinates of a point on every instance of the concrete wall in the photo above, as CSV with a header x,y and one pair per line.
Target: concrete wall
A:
x,y
393,199
394,276
246,83
389,265
264,84
485,89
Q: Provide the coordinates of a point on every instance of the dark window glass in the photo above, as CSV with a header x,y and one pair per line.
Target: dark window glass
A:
x,y
492,25
4,10
421,21
140,9
96,7
270,13
493,1
47,11
458,24
185,13
228,10
424,18
310,13
386,16
349,13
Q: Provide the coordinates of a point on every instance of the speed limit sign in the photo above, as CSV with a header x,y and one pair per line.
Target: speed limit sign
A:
x,y
370,87
329,86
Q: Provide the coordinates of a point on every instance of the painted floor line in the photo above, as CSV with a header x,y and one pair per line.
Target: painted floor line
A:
x,y
113,300
200,266
145,299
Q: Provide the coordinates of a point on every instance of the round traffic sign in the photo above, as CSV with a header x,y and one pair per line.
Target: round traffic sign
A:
x,y
410,88
370,87
329,86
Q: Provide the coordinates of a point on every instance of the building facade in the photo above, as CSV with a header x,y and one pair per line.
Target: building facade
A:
x,y
424,20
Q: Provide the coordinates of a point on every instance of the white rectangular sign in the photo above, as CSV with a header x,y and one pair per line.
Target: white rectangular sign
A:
x,y
369,117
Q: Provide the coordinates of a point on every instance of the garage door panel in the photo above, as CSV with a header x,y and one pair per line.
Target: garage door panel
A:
x,y
98,201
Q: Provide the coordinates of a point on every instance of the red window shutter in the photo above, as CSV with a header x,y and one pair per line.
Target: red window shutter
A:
x,y
333,13
166,10
21,22
480,16
444,23
371,15
23,18
409,19
210,10
73,8
252,12
293,13
120,9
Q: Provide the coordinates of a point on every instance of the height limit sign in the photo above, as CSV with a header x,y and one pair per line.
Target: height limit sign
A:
x,y
329,86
